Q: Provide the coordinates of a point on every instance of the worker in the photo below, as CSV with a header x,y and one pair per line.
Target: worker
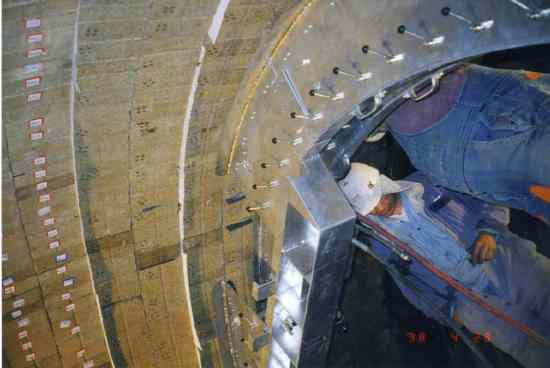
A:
x,y
462,258
485,132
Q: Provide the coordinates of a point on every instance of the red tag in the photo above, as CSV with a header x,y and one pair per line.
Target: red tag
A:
x,y
34,97
35,123
32,53
32,82
32,23
36,136
35,37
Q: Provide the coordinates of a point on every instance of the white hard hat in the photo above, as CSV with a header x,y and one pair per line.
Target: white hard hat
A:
x,y
364,186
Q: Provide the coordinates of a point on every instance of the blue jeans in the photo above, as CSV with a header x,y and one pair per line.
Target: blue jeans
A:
x,y
494,144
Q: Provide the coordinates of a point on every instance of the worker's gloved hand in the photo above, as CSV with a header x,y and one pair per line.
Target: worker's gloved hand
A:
x,y
485,248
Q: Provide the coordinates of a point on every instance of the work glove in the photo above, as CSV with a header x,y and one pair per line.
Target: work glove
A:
x,y
485,248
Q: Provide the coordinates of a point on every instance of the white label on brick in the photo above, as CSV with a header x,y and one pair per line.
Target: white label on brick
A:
x,y
88,364
53,233
9,290
30,357
26,346
23,322
16,314
61,257
36,123
31,53
7,281
48,222
66,296
65,324
44,211
35,37
75,330
33,23
44,198
68,282
18,303
33,97
61,270
80,353
21,335
40,173
41,186
54,244
70,307
36,136
32,82
34,68
40,160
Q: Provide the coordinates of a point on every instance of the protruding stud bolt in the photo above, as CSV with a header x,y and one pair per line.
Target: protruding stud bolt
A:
x,y
531,13
270,185
363,76
280,164
293,142
317,116
259,207
316,93
483,26
434,42
390,59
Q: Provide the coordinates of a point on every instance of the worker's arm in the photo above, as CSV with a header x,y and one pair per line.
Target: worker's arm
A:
x,y
494,221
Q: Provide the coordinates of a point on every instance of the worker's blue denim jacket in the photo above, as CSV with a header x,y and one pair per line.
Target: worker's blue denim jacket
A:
x,y
494,143
444,231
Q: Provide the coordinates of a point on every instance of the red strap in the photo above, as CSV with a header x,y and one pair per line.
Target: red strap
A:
x,y
455,284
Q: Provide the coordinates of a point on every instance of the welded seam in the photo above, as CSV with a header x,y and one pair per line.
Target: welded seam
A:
x,y
181,183
257,80
217,20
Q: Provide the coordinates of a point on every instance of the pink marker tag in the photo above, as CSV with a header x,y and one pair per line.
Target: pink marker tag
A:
x,y
54,244
32,53
36,136
34,68
36,37
30,357
21,335
40,173
41,186
44,198
61,270
66,296
49,221
53,233
32,82
39,161
33,97
35,123
75,330
44,211
23,322
32,23
18,303
26,346
65,324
